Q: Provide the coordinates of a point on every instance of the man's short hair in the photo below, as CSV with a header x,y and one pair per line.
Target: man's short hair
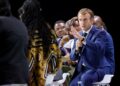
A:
x,y
84,11
59,21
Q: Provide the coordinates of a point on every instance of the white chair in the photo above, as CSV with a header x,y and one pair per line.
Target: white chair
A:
x,y
50,82
105,82
60,82
49,79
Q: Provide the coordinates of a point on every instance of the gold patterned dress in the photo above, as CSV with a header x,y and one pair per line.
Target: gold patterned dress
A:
x,y
40,62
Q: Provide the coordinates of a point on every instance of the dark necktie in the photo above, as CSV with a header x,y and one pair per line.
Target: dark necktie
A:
x,y
84,34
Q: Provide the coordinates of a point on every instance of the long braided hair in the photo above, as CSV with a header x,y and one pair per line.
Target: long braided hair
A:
x,y
43,51
33,19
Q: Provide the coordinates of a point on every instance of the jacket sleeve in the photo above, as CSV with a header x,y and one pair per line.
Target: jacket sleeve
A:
x,y
97,44
74,54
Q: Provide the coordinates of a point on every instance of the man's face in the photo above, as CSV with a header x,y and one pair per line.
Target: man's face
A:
x,y
60,29
85,21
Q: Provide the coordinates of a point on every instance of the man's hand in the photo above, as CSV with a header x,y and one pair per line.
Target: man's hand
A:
x,y
64,40
78,44
76,34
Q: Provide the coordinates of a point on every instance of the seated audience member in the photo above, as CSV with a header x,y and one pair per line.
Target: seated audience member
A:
x,y
89,50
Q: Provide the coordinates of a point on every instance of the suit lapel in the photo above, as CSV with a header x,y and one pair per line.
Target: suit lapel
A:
x,y
89,37
91,33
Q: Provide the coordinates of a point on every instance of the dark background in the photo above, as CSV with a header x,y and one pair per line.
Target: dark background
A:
x,y
66,9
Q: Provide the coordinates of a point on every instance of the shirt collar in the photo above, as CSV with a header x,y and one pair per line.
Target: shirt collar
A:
x,y
88,30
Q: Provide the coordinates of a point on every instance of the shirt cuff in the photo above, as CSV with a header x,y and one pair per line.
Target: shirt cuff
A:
x,y
84,42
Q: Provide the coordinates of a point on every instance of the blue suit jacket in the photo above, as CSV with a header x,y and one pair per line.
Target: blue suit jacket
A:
x,y
109,52
93,53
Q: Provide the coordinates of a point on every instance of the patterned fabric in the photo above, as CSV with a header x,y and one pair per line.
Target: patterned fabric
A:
x,y
39,65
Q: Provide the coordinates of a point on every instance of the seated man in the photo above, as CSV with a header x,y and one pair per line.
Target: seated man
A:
x,y
90,51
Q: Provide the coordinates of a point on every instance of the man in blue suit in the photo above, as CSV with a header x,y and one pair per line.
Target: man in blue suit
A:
x,y
90,51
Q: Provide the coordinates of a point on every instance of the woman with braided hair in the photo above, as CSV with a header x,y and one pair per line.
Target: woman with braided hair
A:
x,y
43,53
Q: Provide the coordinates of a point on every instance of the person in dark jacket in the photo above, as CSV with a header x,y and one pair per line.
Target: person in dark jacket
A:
x,y
13,45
